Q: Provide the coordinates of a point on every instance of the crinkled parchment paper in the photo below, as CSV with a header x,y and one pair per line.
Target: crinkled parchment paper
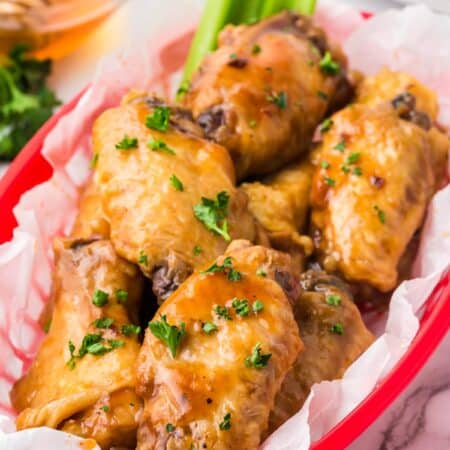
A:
x,y
413,39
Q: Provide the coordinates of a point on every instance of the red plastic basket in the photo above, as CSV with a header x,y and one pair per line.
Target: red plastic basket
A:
x,y
30,169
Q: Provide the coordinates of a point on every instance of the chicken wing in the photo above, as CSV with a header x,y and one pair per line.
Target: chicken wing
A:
x,y
334,336
83,378
216,353
265,89
280,203
375,174
168,195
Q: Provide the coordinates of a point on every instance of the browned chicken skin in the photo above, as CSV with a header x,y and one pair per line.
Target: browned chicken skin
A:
x,y
149,195
209,395
263,92
94,395
334,336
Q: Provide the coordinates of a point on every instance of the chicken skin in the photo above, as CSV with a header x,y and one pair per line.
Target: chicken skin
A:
x,y
209,381
168,194
375,172
334,336
83,378
265,89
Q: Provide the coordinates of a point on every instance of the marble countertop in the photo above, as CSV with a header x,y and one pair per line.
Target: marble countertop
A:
x,y
417,420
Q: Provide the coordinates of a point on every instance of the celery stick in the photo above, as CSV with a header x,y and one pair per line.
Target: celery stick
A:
x,y
250,11
271,7
303,6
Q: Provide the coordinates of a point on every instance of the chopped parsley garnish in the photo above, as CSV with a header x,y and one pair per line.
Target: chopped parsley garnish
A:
x,y
279,99
252,123
127,143
330,181
171,335
170,428
46,326
334,299
226,267
143,258
261,272
159,119
100,298
159,145
222,311
325,125
233,56
241,307
209,327
226,422
353,158
128,329
324,164
322,95
257,359
94,160
122,296
340,146
104,322
212,213
197,250
357,171
71,362
380,213
256,49
328,65
105,408
337,328
345,168
176,183
257,306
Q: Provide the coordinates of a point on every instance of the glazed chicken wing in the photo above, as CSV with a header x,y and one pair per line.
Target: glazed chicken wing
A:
x,y
211,381
334,336
375,174
83,378
263,92
168,195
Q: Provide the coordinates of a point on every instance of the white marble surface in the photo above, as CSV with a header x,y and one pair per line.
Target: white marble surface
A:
x,y
420,418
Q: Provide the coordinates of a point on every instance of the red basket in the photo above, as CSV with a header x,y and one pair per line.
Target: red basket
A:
x,y
30,169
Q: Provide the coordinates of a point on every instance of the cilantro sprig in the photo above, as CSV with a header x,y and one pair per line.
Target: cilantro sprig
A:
x,y
213,214
171,335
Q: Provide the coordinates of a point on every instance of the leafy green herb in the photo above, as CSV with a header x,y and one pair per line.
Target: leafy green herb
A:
x,y
357,171
25,101
252,123
353,158
340,146
322,95
279,99
256,49
261,272
324,164
100,298
226,267
122,296
257,306
46,326
170,428
209,327
328,65
212,213
128,329
171,335
143,258
226,422
94,161
325,125
222,311
159,145
241,307
176,183
337,328
159,119
71,362
334,299
105,408
197,250
233,56
103,322
330,181
182,90
257,359
345,168
380,213
127,143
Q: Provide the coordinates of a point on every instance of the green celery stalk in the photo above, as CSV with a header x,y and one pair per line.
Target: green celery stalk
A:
x,y
250,11
303,6
271,7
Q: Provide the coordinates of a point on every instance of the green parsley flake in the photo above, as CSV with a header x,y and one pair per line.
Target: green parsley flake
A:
x,y
105,408
353,158
357,171
325,125
340,146
334,299
176,183
279,99
226,422
241,307
322,95
159,119
212,213
197,250
171,335
122,296
337,328
257,306
257,359
261,272
128,329
143,258
324,164
127,143
381,214
46,326
94,161
256,49
223,312
170,428
103,322
226,267
209,327
159,145
345,168
328,65
100,298
330,181
233,56
71,362
252,123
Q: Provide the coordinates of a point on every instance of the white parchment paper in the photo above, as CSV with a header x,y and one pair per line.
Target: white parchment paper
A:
x,y
414,40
